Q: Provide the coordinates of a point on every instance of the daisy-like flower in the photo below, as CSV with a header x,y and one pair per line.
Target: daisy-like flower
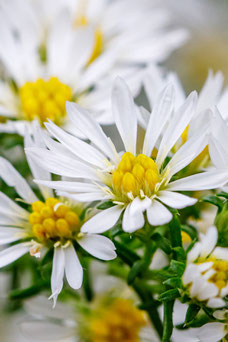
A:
x,y
47,223
133,182
215,331
73,55
206,274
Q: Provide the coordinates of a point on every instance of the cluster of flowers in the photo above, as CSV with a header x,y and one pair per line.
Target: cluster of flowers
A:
x,y
88,197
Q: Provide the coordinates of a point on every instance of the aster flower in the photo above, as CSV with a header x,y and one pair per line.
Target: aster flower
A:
x,y
206,274
47,223
77,50
106,318
215,331
134,183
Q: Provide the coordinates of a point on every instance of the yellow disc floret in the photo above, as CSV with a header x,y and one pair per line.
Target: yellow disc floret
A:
x,y
53,220
120,321
135,174
220,277
45,99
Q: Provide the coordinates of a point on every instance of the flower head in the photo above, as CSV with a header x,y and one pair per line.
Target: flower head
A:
x,y
133,182
206,274
49,222
71,53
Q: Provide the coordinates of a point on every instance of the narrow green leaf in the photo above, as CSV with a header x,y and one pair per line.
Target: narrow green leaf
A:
x,y
169,295
191,313
174,282
138,266
177,267
105,205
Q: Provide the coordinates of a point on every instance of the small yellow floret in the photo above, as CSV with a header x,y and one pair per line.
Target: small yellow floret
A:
x,y
134,174
45,99
53,220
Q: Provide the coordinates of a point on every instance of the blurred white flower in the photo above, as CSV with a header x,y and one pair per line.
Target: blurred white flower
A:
x,y
59,51
215,331
206,274
133,182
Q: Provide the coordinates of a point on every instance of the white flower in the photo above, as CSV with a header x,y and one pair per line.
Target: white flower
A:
x,y
216,331
62,53
135,183
96,322
48,223
206,274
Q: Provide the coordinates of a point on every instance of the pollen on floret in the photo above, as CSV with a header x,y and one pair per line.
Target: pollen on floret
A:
x,y
220,277
45,99
52,220
134,174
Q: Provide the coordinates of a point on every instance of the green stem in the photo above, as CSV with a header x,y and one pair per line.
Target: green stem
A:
x,y
168,321
175,231
150,305
87,287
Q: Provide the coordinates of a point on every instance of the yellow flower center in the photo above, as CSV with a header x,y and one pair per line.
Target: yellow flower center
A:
x,y
121,321
220,278
135,174
185,237
98,38
53,220
45,99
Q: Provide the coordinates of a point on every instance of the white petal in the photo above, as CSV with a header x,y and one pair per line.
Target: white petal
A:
x,y
81,149
62,165
158,119
176,200
212,332
125,115
202,181
13,253
84,121
8,235
37,330
209,290
12,209
176,127
132,221
73,268
57,273
69,186
224,291
99,246
208,242
221,253
102,221
194,252
158,214
139,205
12,178
220,314
97,195
216,303
218,153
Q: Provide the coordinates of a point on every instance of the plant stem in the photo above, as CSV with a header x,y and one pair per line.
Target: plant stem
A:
x,y
168,321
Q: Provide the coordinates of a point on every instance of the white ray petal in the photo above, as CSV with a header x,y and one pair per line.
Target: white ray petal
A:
x,y
132,220
99,246
13,253
158,214
102,221
125,115
212,332
73,268
176,200
57,274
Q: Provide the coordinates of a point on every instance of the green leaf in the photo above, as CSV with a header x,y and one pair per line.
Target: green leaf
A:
x,y
116,230
223,194
180,253
126,254
162,243
177,267
106,205
191,313
169,295
190,230
214,200
173,282
138,266
29,291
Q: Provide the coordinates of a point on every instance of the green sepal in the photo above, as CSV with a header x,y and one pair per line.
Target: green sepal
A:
x,y
177,267
191,313
126,254
174,282
105,205
169,295
180,253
